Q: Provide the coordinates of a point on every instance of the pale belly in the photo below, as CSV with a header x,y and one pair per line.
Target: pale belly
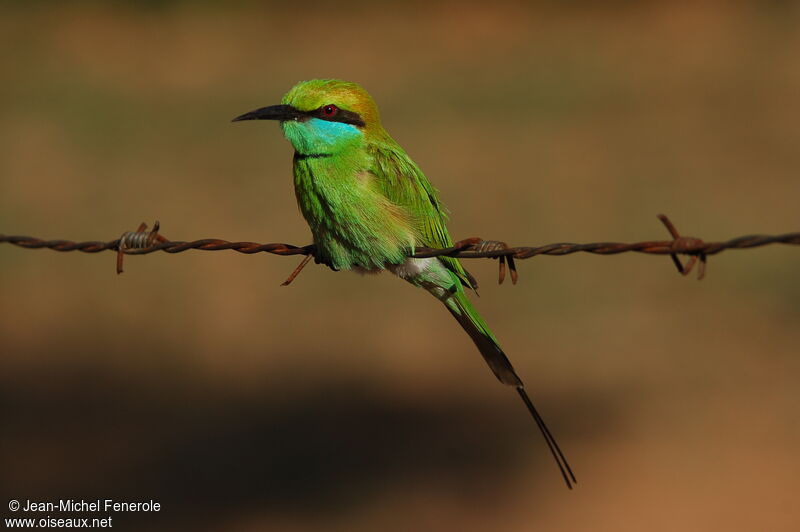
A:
x,y
408,270
429,274
412,268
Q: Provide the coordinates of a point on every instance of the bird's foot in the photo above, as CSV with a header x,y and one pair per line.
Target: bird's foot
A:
x,y
324,260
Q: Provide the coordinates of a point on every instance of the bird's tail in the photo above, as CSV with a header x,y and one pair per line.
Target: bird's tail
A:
x,y
466,315
462,310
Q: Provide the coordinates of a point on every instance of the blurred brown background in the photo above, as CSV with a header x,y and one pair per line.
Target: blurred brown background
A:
x,y
356,404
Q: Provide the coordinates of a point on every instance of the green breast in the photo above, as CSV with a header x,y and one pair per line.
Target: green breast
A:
x,y
351,220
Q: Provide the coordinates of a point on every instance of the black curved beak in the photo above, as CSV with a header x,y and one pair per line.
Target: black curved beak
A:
x,y
273,112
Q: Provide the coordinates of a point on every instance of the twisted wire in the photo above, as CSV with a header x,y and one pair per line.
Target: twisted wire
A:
x,y
142,242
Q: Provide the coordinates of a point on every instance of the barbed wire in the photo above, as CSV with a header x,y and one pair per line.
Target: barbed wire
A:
x,y
143,242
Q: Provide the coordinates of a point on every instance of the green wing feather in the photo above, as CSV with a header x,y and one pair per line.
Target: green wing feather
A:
x,y
404,184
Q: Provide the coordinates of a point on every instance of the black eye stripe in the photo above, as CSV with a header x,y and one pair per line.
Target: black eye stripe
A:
x,y
341,115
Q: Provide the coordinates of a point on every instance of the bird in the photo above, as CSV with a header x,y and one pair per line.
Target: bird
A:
x,y
367,204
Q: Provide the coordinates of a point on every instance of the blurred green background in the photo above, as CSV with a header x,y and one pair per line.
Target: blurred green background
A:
x,y
352,403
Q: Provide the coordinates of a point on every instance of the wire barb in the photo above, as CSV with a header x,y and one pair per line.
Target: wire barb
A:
x,y
494,245
297,270
685,241
137,240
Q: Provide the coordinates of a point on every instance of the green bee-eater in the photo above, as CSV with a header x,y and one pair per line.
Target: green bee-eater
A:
x,y
367,203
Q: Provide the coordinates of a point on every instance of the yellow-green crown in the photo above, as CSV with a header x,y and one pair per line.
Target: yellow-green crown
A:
x,y
315,93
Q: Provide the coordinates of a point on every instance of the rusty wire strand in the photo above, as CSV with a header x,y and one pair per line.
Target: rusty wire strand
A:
x,y
142,242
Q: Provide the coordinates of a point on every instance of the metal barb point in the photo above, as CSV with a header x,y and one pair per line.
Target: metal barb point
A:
x,y
485,246
138,239
684,242
297,270
471,242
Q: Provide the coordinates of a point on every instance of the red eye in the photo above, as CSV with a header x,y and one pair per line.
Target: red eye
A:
x,y
330,110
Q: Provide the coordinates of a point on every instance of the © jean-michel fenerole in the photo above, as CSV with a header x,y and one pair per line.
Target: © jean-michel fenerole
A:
x,y
367,203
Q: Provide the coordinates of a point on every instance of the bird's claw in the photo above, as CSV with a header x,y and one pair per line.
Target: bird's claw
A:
x,y
324,260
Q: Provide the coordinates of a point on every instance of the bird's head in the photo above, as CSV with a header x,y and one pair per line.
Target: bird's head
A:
x,y
323,115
